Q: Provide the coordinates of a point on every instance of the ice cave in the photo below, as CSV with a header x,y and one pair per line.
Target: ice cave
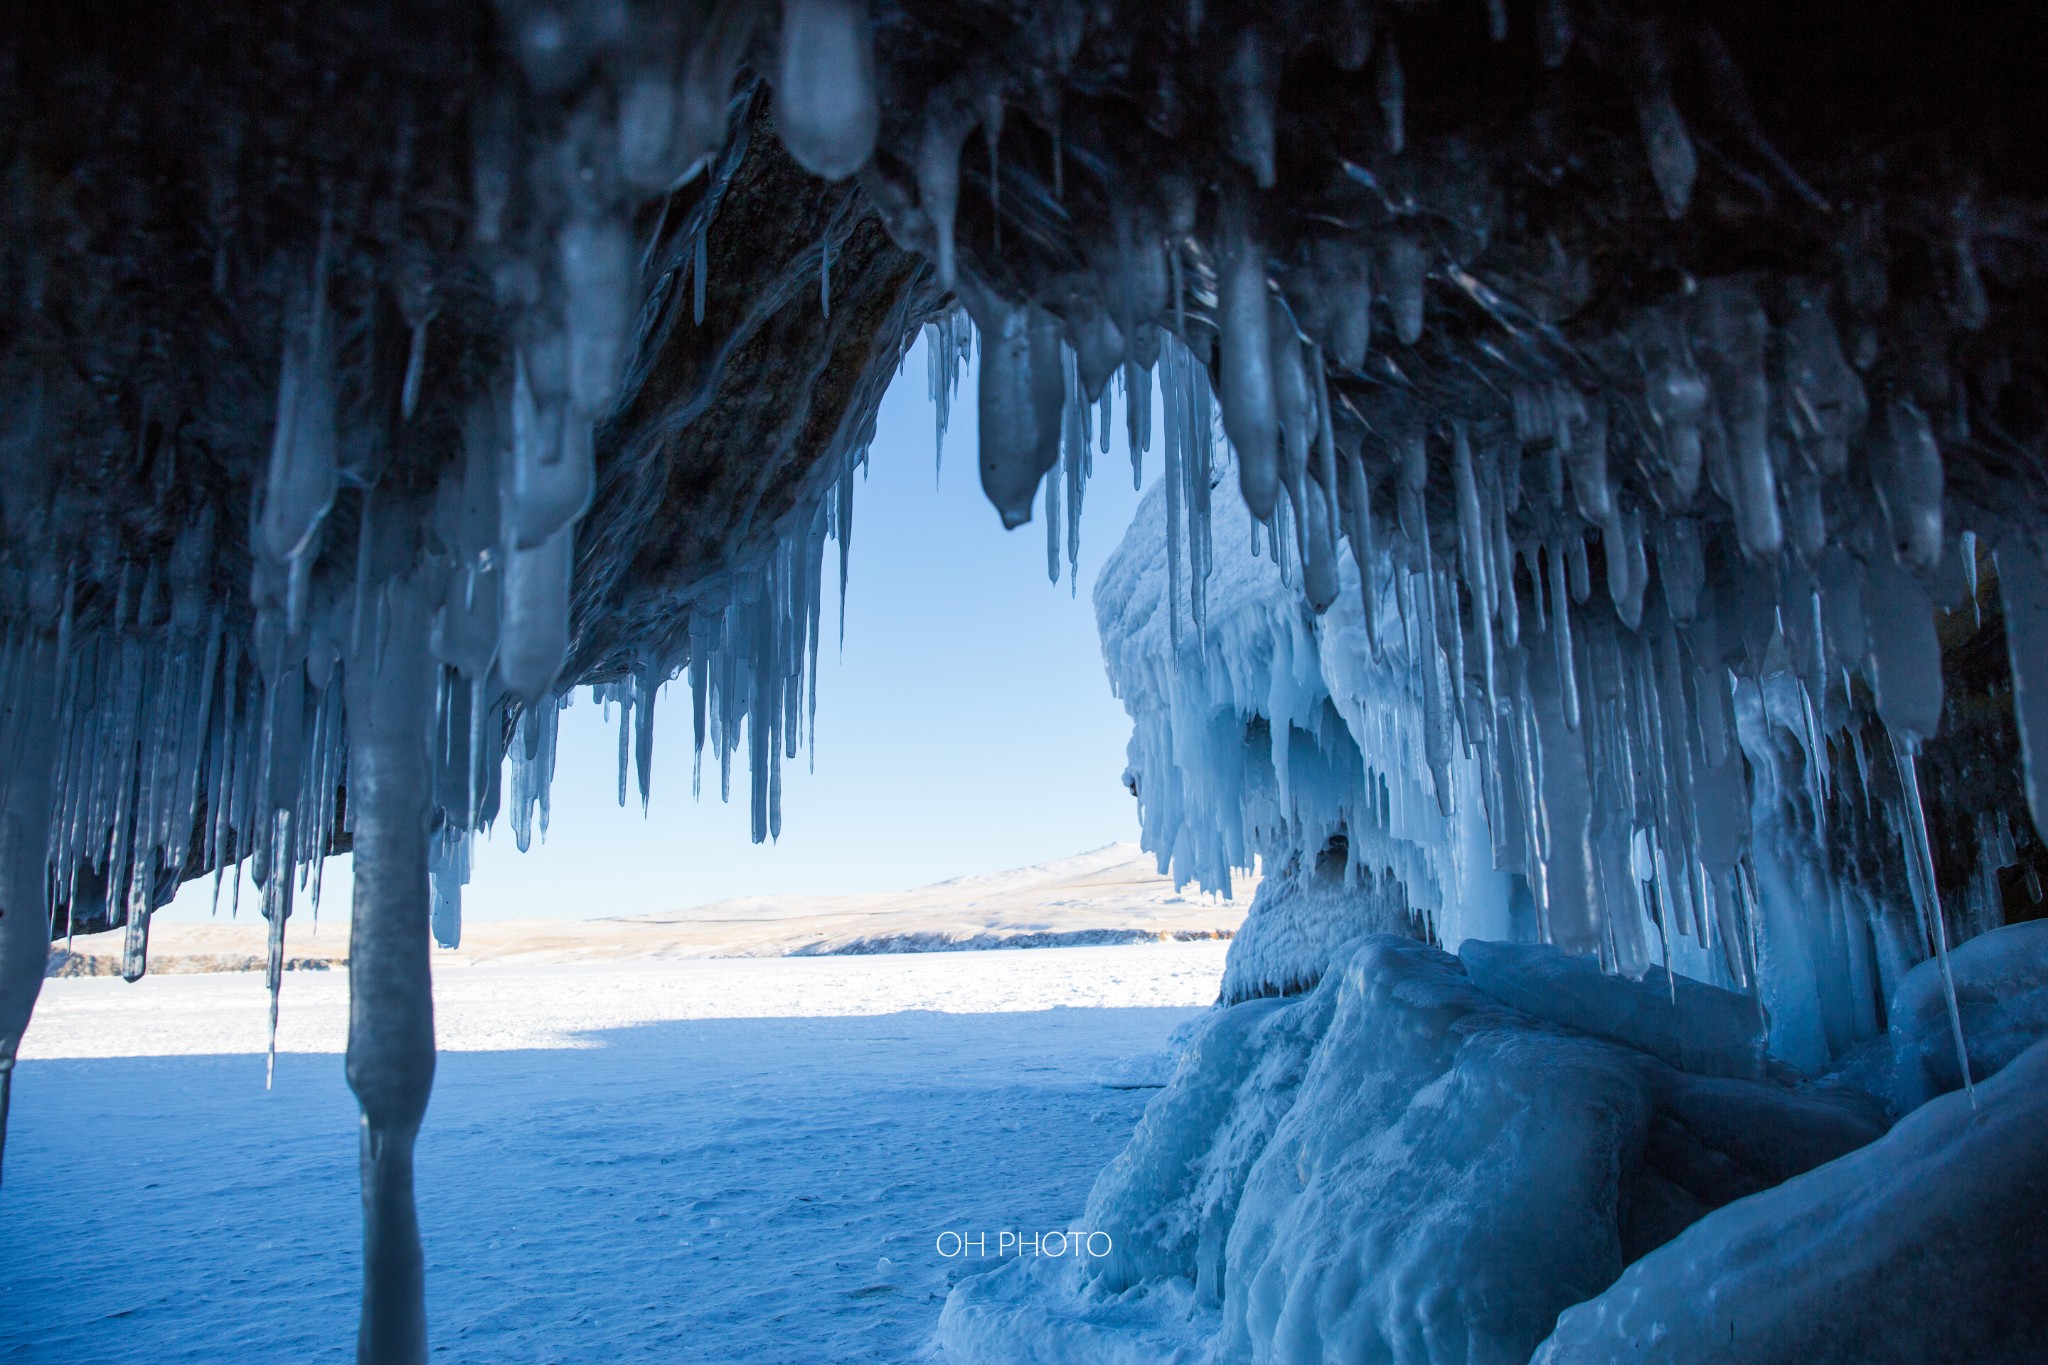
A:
x,y
1594,560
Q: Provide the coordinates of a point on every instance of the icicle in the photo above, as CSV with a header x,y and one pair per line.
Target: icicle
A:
x,y
1390,87
534,614
1137,418
647,687
1249,92
551,473
826,106
64,621
1402,271
1509,606
625,695
716,52
1907,469
1825,398
1053,523
1906,653
947,123
391,1013
1733,332
1927,895
1677,397
1244,322
1673,163
1294,405
1175,484
1628,572
1079,461
825,274
1022,393
700,268
277,908
944,350
843,531
1358,529
303,473
1966,553
1561,639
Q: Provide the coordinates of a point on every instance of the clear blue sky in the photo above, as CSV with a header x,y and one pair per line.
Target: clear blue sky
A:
x,y
967,727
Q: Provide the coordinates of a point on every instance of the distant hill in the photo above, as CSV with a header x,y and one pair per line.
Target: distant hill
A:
x,y
1113,894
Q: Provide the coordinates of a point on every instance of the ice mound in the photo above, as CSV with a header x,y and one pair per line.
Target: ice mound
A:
x,y
1928,1245
2001,983
1398,1166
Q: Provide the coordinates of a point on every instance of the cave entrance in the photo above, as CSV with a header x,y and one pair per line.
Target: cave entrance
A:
x,y
724,1156
964,724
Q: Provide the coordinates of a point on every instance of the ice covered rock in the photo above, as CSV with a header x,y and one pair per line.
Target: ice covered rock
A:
x,y
1397,1166
1169,1199
1264,730
1691,1025
2002,995
1299,922
1925,1246
1039,1312
1449,1178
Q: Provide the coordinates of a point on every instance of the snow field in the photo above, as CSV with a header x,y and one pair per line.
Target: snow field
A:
x,y
740,1160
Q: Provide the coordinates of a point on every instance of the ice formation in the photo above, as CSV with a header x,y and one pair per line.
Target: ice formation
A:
x,y
1397,1166
1600,500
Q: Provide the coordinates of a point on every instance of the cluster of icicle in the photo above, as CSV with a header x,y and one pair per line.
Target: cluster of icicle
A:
x,y
1603,548
375,697
751,658
1652,705
1265,732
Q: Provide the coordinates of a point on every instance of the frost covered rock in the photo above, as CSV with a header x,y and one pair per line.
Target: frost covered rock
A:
x,y
2001,981
1300,920
1039,1312
1926,1246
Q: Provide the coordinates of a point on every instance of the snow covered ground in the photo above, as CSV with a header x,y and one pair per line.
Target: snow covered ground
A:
x,y
740,1160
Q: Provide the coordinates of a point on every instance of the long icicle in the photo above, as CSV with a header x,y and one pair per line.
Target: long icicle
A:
x,y
1921,854
391,1005
277,908
28,749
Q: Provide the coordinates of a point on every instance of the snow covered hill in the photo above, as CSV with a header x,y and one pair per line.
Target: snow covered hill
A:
x,y
1113,894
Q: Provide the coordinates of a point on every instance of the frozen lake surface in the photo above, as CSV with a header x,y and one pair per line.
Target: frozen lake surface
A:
x,y
716,1160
